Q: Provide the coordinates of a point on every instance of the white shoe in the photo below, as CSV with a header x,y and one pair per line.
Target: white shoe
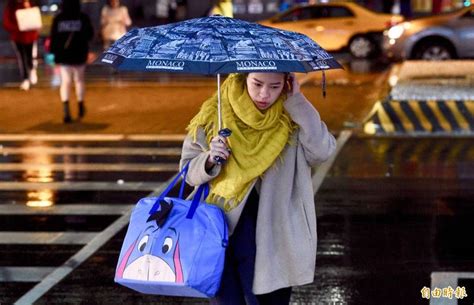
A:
x,y
33,77
25,85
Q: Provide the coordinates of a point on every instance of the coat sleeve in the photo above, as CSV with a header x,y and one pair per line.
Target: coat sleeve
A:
x,y
55,44
88,29
126,17
196,153
9,23
313,135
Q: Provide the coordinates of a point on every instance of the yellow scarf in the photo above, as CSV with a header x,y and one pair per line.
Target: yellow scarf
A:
x,y
257,138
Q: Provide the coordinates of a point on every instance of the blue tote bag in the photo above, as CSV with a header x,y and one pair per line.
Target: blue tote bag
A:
x,y
174,246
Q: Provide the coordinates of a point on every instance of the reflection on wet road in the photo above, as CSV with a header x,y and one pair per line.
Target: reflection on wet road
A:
x,y
390,212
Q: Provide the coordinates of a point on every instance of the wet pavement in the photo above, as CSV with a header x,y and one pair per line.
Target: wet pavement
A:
x,y
137,103
392,211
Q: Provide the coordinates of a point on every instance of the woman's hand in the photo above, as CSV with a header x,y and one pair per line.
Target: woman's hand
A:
x,y
293,85
218,148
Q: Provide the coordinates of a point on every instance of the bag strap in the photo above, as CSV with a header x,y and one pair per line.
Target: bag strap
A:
x,y
183,173
203,188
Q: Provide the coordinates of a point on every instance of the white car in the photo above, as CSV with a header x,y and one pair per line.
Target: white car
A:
x,y
336,26
440,37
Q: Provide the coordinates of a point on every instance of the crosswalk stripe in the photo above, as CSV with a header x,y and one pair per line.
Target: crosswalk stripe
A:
x,y
48,238
79,186
90,167
90,137
41,149
24,274
70,209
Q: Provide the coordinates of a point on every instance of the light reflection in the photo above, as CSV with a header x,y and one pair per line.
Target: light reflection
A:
x,y
40,199
44,174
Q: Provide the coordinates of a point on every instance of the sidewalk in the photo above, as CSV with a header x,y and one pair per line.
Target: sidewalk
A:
x,y
114,104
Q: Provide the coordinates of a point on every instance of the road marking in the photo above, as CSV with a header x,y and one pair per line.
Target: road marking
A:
x,y
42,149
46,238
72,263
69,209
78,186
91,137
90,167
323,169
24,274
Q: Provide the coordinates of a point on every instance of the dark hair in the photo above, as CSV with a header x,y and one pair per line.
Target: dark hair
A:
x,y
71,7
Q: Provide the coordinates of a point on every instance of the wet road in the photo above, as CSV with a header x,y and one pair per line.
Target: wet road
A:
x,y
390,212
164,103
394,213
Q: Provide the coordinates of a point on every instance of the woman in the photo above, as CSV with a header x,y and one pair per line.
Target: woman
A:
x,y
264,185
23,42
114,20
70,35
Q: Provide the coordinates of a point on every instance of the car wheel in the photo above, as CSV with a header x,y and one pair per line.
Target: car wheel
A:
x,y
361,47
434,51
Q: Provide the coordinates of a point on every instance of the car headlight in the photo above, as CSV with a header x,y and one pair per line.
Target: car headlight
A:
x,y
396,31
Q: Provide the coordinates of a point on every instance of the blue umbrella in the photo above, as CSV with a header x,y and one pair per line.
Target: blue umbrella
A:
x,y
215,45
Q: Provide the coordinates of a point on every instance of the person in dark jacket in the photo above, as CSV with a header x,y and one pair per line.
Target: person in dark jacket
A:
x,y
23,41
70,35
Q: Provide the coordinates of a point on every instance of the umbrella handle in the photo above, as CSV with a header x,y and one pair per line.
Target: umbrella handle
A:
x,y
226,132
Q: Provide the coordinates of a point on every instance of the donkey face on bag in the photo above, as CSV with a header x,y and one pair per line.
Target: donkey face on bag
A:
x,y
154,256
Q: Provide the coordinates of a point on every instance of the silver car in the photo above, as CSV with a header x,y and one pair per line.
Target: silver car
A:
x,y
441,37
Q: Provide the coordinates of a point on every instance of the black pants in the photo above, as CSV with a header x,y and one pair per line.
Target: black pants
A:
x,y
25,59
239,266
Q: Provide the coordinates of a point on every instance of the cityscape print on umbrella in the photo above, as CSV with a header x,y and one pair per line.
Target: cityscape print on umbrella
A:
x,y
217,44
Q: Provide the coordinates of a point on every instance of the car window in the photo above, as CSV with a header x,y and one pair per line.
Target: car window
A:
x,y
331,12
303,13
338,11
314,12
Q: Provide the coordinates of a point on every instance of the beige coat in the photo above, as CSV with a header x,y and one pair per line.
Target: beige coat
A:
x,y
286,222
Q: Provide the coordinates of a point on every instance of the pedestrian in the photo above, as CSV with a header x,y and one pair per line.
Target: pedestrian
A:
x,y
114,20
264,185
165,11
22,41
70,35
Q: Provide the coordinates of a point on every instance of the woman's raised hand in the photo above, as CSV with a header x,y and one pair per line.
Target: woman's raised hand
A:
x,y
294,85
218,148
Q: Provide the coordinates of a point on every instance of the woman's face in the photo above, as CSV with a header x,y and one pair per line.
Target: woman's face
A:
x,y
265,88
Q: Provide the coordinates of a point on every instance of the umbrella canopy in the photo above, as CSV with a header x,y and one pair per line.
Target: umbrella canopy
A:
x,y
215,45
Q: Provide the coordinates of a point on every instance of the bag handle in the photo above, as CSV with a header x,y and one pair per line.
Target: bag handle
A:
x,y
203,188
183,173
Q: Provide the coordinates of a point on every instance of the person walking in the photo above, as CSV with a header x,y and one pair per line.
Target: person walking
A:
x,y
23,41
70,35
114,20
264,184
